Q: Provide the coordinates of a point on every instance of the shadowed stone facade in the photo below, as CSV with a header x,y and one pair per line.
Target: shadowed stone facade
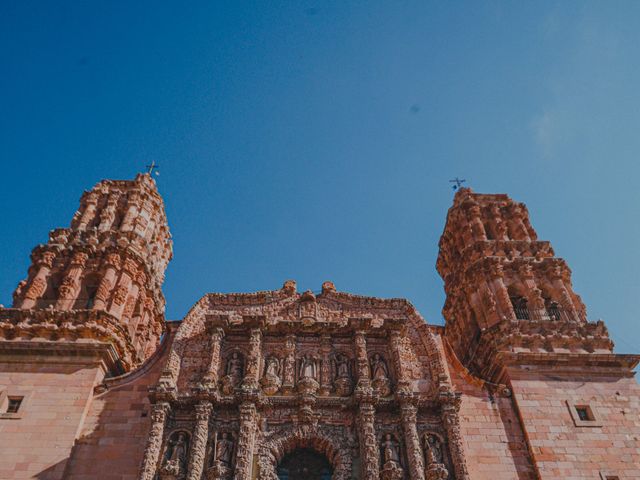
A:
x,y
288,384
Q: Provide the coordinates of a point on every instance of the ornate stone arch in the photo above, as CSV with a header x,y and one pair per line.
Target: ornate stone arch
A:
x,y
273,450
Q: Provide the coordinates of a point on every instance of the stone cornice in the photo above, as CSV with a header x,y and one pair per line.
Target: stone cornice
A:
x,y
72,327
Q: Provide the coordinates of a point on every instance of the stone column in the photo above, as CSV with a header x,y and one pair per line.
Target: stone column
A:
x,y
68,290
288,379
252,372
408,414
451,422
369,450
246,440
199,441
108,214
111,264
89,211
39,283
362,363
404,384
154,441
132,212
325,369
215,345
557,281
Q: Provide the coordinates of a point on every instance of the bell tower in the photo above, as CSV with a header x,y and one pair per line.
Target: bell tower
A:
x,y
506,290
102,277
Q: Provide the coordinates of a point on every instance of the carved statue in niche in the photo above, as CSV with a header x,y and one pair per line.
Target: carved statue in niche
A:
x,y
391,469
271,380
222,457
380,375
174,465
435,468
233,373
343,382
308,374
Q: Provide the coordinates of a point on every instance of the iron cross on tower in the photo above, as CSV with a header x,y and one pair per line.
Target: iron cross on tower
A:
x,y
153,167
458,182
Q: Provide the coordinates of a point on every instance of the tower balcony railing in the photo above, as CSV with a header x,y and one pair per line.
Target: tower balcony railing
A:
x,y
556,314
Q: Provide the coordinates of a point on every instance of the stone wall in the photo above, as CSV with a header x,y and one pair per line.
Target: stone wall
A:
x,y
607,445
37,441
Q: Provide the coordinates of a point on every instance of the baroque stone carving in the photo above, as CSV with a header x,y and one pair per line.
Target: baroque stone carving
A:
x,y
234,373
222,457
154,441
174,465
380,375
343,384
271,381
334,444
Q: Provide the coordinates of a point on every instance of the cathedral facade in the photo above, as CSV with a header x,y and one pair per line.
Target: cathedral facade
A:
x,y
282,384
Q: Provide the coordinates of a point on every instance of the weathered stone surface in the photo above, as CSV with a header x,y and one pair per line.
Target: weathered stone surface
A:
x,y
246,379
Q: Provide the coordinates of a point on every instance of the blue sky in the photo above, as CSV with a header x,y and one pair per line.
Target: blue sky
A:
x,y
315,140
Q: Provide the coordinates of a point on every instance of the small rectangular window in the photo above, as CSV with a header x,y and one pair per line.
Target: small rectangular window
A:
x,y
13,404
584,414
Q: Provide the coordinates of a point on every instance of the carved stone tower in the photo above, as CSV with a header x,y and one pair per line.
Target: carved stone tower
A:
x,y
107,268
497,274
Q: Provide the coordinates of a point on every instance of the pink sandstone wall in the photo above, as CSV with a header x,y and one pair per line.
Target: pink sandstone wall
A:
x,y
112,441
493,439
57,397
563,450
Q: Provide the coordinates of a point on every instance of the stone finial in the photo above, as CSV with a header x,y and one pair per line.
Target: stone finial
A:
x,y
328,286
289,287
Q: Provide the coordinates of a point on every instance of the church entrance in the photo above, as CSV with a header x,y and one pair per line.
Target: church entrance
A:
x,y
304,464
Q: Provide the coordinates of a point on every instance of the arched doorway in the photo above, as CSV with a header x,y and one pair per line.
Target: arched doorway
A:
x,y
304,464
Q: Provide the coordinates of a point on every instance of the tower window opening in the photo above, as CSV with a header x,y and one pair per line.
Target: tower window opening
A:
x,y
519,304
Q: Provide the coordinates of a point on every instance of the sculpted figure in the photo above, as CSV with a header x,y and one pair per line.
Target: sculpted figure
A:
x,y
390,450
434,468
224,449
233,373
307,381
271,380
342,366
272,367
176,457
380,375
235,366
379,369
391,469
433,449
307,367
342,384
